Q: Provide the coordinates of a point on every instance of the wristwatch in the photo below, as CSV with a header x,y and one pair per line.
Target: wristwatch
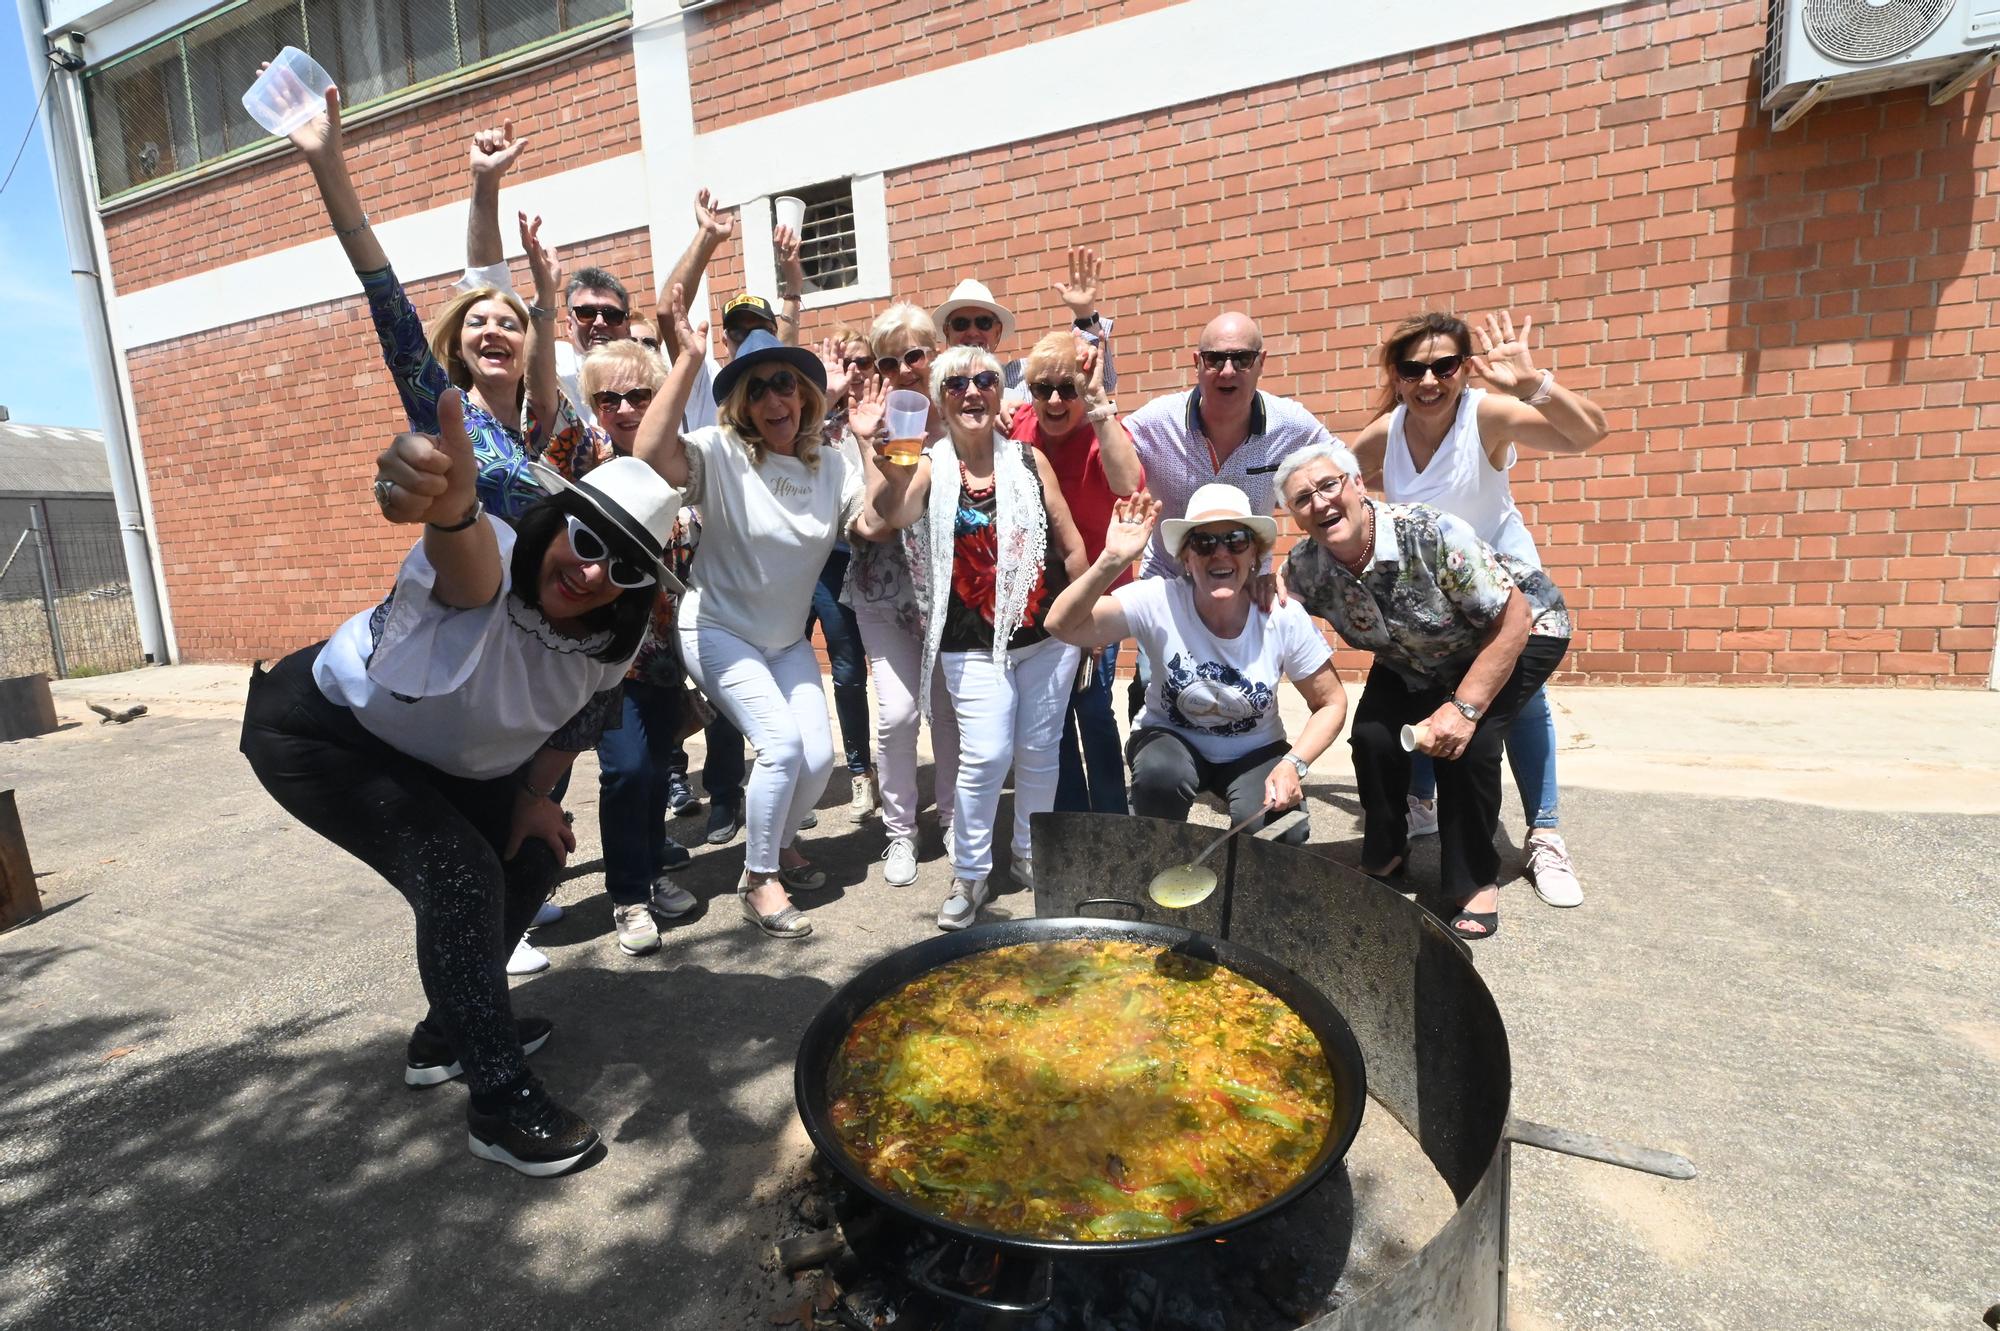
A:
x,y
1466,709
1089,322
1299,764
472,515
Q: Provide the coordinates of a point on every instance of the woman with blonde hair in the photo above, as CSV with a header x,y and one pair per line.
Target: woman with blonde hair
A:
x,y
903,339
991,546
773,501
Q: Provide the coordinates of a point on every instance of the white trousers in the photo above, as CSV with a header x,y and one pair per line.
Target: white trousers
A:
x,y
1008,716
777,701
894,659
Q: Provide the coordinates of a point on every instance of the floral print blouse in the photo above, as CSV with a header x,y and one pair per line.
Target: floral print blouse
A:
x,y
1427,596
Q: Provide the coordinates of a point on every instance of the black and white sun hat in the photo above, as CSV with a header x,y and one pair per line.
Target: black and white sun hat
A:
x,y
636,505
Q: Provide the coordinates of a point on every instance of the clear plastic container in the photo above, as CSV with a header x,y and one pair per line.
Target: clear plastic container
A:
x,y
291,91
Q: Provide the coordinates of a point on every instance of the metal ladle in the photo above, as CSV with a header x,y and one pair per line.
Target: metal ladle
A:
x,y
1189,884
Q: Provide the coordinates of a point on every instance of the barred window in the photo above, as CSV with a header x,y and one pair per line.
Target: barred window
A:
x,y
827,247
178,102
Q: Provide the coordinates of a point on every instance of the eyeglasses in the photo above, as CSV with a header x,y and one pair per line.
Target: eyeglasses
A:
x,y
1328,490
607,314
1242,360
609,401
985,323
985,381
650,343
912,358
591,549
1444,367
857,363
1236,540
784,383
1044,391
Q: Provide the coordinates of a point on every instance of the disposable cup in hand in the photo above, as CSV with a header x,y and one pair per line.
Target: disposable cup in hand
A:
x,y
909,418
790,213
1417,739
291,91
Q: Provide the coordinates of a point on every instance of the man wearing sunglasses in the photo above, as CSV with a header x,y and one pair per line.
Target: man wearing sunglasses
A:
x,y
970,317
1222,430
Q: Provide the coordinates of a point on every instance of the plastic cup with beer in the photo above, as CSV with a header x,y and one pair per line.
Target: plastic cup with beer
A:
x,y
909,418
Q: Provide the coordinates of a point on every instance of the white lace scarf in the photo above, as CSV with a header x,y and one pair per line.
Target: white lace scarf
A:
x,y
1021,524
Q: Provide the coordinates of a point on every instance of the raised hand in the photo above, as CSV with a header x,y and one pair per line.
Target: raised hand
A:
x,y
868,410
461,473
542,262
1090,363
1503,362
1132,521
830,356
319,138
409,477
1080,291
690,338
494,150
791,273
708,215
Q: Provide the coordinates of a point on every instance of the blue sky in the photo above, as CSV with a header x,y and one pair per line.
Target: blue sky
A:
x,y
44,378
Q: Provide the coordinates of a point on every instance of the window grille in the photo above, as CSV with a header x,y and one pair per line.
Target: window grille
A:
x,y
827,248
178,102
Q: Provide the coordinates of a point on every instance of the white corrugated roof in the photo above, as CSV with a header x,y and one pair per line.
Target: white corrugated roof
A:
x,y
52,460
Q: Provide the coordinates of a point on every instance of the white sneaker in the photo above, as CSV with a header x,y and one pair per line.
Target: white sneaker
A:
x,y
1022,871
670,900
962,906
1550,870
637,933
527,960
1423,816
865,799
900,866
548,914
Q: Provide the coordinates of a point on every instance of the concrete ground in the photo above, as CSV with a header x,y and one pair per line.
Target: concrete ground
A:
x,y
1784,969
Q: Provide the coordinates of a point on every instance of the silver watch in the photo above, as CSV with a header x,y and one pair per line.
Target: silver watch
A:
x,y
1466,709
1299,764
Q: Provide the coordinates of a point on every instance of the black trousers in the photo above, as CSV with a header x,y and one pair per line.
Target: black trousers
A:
x,y
1167,774
436,838
1468,788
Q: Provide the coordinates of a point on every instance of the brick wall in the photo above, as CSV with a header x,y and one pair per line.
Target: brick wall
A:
x,y
755,53
260,445
577,111
1794,335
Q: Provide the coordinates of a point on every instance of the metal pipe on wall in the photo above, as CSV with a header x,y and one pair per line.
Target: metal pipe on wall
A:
x,y
64,136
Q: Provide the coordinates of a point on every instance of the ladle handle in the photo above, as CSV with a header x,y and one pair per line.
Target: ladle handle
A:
x,y
1210,848
1590,1146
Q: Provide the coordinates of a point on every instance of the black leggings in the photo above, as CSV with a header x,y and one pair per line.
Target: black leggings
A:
x,y
1468,788
437,838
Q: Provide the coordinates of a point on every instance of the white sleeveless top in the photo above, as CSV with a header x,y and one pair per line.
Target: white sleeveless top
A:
x,y
1460,479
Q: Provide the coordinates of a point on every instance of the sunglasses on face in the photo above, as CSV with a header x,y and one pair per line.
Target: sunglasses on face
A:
x,y
985,323
784,383
588,314
1444,367
985,381
608,401
650,343
861,363
1044,391
1242,360
591,549
1328,490
913,358
1236,541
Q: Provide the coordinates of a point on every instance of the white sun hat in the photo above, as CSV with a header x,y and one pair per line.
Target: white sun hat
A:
x,y
636,503
1216,503
971,295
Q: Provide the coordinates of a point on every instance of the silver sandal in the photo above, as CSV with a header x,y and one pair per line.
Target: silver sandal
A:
x,y
788,922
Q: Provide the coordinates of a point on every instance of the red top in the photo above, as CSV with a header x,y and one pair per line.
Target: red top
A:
x,y
1079,470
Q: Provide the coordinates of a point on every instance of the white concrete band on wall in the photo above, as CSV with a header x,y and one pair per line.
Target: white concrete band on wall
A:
x,y
1192,51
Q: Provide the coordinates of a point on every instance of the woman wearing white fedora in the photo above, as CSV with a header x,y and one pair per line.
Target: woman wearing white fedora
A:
x,y
1211,721
970,317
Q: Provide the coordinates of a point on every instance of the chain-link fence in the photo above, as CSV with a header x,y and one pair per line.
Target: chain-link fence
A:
x,y
65,604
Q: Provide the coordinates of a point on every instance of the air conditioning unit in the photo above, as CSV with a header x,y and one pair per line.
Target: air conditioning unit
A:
x,y
1820,49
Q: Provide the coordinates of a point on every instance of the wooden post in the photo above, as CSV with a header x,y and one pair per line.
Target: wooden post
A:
x,y
18,897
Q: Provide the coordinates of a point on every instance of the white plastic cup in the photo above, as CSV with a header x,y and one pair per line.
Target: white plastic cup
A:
x,y
288,93
909,420
790,212
1417,739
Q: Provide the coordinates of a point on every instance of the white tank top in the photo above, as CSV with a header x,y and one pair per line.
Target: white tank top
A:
x,y
1460,479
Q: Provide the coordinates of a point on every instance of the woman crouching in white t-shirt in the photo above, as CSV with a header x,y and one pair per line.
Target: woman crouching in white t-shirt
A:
x,y
773,501
1211,720
425,736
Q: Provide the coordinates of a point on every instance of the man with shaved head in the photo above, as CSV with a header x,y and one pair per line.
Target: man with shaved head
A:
x,y
1222,430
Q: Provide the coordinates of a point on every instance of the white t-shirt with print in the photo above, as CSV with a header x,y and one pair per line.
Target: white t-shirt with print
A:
x,y
1220,694
766,530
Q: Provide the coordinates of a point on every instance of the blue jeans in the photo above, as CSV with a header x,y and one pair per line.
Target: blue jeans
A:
x,y
850,662
1092,775
1531,755
633,761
